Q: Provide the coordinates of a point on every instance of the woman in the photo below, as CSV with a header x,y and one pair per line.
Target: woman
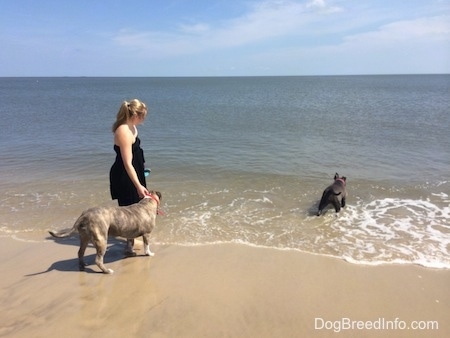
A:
x,y
127,179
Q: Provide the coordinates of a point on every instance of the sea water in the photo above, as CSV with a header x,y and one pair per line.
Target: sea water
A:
x,y
242,160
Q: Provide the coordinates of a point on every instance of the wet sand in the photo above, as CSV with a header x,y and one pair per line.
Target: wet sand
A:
x,y
213,291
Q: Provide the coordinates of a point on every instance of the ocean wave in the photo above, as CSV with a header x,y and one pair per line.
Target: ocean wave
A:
x,y
370,231
382,231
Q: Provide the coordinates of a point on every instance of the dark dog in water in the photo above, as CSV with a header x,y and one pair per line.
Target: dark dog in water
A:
x,y
335,194
95,224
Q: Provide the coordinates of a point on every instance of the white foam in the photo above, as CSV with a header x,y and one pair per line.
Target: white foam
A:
x,y
394,230
383,231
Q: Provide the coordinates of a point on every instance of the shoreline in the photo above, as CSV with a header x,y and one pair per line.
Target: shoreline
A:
x,y
373,231
228,290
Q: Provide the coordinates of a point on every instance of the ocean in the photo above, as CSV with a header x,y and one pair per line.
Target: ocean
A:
x,y
242,160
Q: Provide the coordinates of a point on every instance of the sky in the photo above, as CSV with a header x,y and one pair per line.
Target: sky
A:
x,y
223,37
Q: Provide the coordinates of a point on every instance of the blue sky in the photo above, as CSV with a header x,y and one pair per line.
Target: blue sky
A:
x,y
223,37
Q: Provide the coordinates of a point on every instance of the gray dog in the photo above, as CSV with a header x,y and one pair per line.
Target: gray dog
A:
x,y
335,194
95,224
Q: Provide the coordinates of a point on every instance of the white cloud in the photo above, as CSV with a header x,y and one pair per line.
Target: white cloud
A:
x,y
265,21
289,37
273,37
323,6
198,28
435,28
414,46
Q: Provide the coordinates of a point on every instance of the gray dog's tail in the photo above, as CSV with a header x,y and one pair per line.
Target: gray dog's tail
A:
x,y
63,233
325,199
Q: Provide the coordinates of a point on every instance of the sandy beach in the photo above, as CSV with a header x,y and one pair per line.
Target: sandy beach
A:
x,y
214,291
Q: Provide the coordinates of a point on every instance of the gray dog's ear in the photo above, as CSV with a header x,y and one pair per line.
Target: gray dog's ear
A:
x,y
336,176
344,178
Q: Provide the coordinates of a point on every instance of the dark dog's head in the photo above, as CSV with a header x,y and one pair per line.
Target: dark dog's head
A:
x,y
343,179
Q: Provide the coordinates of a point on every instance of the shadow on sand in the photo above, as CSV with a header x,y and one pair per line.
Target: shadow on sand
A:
x,y
114,252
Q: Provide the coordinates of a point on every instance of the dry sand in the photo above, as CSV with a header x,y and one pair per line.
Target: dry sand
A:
x,y
212,291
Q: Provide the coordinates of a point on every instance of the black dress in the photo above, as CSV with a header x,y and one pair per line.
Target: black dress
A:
x,y
121,186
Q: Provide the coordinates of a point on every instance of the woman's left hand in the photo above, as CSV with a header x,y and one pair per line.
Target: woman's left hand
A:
x,y
142,191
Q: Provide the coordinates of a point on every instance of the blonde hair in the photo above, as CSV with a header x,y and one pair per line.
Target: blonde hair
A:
x,y
128,110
